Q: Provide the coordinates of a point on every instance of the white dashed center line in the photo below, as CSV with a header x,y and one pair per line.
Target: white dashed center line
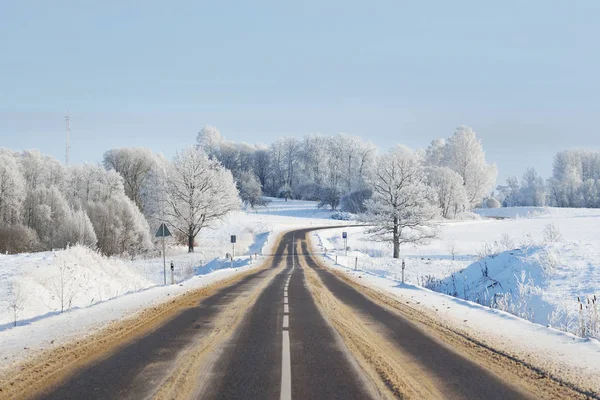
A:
x,y
286,364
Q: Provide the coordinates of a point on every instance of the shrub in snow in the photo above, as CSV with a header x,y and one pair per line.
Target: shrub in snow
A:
x,y
492,203
309,191
354,202
285,193
250,190
467,216
552,234
341,216
18,239
330,197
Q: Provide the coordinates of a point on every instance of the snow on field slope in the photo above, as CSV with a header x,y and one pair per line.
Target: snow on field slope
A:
x,y
509,264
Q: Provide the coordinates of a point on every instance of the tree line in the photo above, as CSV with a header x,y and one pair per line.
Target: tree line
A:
x,y
338,170
116,205
113,207
575,182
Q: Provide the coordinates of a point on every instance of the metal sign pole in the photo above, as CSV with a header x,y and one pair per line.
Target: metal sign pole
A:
x,y
164,259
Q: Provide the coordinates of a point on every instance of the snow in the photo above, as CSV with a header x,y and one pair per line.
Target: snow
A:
x,y
508,264
555,351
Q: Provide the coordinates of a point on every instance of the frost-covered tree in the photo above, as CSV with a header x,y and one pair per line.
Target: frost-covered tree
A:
x,y
262,166
249,188
120,227
533,189
56,223
12,189
575,179
209,140
200,191
134,165
154,193
434,155
449,189
402,207
464,154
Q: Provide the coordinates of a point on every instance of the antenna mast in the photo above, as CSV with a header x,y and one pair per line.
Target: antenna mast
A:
x,y
68,138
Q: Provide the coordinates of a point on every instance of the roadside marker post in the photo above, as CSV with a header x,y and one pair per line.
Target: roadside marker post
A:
x,y
233,240
163,232
403,266
345,237
172,273
356,264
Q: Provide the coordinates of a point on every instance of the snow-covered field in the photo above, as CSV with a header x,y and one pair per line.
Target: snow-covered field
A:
x,y
538,265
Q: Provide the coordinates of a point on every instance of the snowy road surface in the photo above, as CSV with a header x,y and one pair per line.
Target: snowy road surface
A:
x,y
293,329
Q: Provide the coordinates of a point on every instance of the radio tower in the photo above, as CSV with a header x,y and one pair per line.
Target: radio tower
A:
x,y
68,137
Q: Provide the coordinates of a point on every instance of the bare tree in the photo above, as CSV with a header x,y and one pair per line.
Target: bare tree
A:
x,y
200,191
15,301
62,285
402,207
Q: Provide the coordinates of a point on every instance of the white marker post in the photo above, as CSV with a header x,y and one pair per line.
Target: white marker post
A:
x,y
403,266
233,240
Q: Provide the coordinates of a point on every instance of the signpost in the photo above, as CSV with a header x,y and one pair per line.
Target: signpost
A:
x,y
163,232
345,237
233,240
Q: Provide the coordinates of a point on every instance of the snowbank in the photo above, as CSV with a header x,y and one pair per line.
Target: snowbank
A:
x,y
506,264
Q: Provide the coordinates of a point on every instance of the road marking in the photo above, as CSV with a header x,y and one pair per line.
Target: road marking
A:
x,y
285,293
286,309
286,322
285,300
286,368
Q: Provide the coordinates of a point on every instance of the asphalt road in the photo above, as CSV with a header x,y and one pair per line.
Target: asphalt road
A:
x,y
284,347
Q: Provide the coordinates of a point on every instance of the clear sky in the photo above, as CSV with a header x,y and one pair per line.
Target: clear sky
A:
x,y
523,74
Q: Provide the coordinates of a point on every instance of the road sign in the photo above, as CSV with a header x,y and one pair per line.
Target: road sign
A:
x,y
233,238
344,235
163,231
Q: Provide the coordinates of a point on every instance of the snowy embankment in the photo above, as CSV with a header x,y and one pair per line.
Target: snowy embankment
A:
x,y
94,290
566,356
545,268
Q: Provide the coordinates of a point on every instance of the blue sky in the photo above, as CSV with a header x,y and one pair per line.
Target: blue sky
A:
x,y
524,75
